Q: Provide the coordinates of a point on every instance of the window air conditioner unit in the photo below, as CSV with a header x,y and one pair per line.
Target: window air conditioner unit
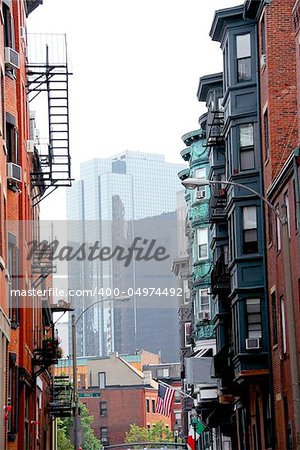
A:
x,y
263,60
204,315
200,195
30,146
14,172
253,344
11,58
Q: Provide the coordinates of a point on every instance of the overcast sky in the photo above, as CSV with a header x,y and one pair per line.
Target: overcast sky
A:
x,y
136,66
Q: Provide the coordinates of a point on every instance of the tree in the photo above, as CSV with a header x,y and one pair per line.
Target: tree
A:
x,y
91,442
158,433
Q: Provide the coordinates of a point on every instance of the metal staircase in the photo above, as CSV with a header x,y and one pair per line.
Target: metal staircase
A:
x,y
47,72
60,404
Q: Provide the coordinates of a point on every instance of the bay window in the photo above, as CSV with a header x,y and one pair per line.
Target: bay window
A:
x,y
246,140
202,243
243,56
250,242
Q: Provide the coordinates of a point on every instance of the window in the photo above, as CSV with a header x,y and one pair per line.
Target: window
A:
x,y
200,190
186,291
8,28
177,398
295,205
153,406
204,303
254,318
202,243
266,134
163,373
103,409
187,334
270,225
278,231
11,139
263,36
246,147
147,405
178,418
286,202
243,54
250,244
283,325
231,228
104,435
274,318
13,269
101,380
13,390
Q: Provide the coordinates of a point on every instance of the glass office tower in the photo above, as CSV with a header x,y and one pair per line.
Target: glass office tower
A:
x,y
116,198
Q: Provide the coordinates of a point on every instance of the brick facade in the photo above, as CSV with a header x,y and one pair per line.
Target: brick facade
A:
x,y
278,99
125,406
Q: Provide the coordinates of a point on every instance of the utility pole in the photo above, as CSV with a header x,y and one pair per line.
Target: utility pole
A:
x,y
77,428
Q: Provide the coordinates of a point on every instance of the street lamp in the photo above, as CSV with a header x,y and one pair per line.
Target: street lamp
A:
x,y
194,420
176,433
74,351
192,183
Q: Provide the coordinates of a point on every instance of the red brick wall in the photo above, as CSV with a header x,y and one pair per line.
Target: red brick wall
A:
x,y
278,85
125,406
279,94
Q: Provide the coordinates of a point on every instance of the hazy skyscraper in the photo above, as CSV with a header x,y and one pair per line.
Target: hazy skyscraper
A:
x,y
110,204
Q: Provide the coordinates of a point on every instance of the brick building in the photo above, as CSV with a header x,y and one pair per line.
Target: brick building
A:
x,y
118,395
28,345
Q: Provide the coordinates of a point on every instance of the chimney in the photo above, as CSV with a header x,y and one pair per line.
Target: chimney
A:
x,y
147,377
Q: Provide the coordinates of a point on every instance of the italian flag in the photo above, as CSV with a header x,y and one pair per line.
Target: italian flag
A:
x,y
194,433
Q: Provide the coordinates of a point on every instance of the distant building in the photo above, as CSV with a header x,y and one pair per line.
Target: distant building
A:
x,y
169,373
119,395
129,195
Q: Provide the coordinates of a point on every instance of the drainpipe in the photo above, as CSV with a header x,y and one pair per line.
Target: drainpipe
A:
x,y
297,189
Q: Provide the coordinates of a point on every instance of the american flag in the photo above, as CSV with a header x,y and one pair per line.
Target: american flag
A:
x,y
164,400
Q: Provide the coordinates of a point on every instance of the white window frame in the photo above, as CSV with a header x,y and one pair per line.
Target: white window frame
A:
x,y
200,308
201,243
201,175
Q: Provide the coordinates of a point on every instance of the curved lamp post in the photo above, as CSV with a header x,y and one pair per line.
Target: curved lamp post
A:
x,y
74,351
192,183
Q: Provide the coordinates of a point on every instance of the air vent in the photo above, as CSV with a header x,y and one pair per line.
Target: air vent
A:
x,y
204,316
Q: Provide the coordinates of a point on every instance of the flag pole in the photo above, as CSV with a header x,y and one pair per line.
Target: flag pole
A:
x,y
184,394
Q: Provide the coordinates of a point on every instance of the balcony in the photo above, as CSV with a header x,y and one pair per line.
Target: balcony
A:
x,y
48,350
218,203
193,136
214,128
186,154
60,404
183,174
220,275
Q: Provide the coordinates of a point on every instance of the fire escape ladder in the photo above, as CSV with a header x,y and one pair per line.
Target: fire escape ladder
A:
x,y
48,73
60,404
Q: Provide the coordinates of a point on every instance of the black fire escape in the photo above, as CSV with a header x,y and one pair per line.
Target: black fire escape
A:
x,y
60,404
48,73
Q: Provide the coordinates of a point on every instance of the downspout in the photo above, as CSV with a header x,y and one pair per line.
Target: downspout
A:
x,y
297,189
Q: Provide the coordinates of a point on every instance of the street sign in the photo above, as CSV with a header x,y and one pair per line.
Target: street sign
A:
x,y
88,394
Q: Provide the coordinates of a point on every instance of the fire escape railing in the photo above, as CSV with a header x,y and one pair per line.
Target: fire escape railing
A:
x,y
47,72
